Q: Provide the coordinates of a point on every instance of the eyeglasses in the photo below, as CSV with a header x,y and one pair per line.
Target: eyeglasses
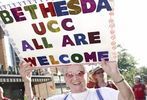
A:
x,y
78,74
98,72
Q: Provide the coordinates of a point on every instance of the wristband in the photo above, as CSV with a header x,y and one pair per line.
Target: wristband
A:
x,y
119,80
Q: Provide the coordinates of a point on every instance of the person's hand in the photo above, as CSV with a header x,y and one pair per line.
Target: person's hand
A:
x,y
25,71
111,68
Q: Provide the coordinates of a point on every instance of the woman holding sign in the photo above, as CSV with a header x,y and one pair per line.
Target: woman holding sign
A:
x,y
74,78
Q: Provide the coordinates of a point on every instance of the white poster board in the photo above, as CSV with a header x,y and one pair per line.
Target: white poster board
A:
x,y
59,32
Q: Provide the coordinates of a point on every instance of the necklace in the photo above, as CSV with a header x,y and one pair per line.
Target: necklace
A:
x,y
85,96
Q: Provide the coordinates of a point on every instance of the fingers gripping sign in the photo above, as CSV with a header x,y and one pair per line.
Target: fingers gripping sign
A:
x,y
110,67
25,70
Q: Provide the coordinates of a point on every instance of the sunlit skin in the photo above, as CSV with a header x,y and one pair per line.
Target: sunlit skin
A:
x,y
1,93
75,79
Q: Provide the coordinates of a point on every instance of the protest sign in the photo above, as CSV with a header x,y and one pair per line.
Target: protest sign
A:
x,y
59,32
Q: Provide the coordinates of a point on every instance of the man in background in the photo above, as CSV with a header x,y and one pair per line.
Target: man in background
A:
x,y
139,88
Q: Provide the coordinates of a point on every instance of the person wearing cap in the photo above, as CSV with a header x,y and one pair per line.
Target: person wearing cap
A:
x,y
139,88
74,78
100,79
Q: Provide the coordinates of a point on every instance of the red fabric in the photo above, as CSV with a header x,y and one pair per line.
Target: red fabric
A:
x,y
5,98
110,84
139,91
91,84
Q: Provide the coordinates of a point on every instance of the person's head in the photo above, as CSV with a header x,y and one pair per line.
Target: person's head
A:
x,y
74,77
137,79
98,73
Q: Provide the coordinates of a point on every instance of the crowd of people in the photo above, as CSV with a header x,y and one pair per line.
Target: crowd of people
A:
x,y
98,86
75,80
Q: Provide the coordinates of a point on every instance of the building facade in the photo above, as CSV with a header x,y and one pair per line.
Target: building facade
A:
x,y
42,80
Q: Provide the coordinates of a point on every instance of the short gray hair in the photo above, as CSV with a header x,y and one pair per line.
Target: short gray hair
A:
x,y
63,69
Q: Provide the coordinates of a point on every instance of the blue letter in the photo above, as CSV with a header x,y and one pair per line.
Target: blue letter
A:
x,y
102,5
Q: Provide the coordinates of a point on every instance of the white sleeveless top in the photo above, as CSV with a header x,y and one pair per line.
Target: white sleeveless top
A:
x,y
90,94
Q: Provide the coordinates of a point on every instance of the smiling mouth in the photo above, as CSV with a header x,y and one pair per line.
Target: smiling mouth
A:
x,y
76,83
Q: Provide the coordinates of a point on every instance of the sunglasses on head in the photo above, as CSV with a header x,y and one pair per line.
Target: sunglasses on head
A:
x,y
78,74
98,72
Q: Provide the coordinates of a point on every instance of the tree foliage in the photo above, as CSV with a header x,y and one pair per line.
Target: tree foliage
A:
x,y
142,71
125,60
127,64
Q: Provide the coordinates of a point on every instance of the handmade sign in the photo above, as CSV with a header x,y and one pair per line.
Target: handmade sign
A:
x,y
58,32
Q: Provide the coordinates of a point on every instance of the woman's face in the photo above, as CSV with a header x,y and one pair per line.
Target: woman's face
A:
x,y
137,80
74,77
99,74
